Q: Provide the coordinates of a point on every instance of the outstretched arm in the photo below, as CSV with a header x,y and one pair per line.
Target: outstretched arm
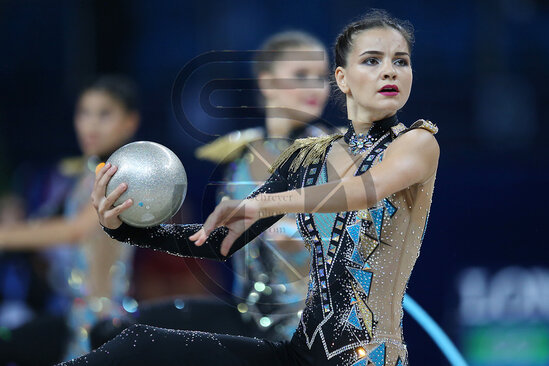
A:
x,y
175,238
412,158
45,233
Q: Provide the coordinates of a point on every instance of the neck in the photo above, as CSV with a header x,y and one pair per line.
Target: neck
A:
x,y
361,118
367,121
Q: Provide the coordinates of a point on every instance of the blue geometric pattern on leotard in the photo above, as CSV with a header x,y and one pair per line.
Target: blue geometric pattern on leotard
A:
x,y
377,219
327,320
357,258
361,362
377,356
364,278
399,362
354,232
391,209
324,221
353,318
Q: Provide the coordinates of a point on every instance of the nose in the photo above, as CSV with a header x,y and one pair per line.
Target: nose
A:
x,y
388,72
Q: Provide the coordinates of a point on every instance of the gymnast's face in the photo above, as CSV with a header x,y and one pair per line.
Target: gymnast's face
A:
x,y
296,94
102,123
379,58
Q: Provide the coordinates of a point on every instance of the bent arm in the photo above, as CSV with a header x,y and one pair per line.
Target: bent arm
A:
x,y
412,158
49,232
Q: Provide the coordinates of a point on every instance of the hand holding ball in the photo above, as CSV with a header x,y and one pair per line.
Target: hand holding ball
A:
x,y
156,179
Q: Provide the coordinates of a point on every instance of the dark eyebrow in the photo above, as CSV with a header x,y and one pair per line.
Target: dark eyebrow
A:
x,y
371,53
381,53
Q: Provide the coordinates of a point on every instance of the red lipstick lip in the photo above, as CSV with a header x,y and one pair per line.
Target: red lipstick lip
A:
x,y
389,86
389,93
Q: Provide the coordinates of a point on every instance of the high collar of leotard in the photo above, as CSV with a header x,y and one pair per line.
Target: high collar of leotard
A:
x,y
378,129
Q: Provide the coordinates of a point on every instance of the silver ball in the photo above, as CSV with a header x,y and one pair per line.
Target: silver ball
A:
x,y
157,182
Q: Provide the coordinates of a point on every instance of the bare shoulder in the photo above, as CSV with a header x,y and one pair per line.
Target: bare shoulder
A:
x,y
417,148
419,137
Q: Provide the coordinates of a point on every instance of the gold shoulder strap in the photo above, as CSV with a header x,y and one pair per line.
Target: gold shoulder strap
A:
x,y
425,124
311,150
229,147
396,130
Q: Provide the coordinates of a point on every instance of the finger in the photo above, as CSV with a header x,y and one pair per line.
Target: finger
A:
x,y
202,238
211,221
197,235
114,195
194,236
120,208
228,242
98,188
102,182
223,213
99,174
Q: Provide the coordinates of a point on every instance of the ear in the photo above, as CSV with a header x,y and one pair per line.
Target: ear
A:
x,y
340,79
265,82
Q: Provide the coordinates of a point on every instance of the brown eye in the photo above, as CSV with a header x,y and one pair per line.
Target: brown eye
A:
x,y
401,62
371,61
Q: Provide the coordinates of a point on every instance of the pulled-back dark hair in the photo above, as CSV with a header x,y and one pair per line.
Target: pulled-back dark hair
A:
x,y
376,18
119,87
280,42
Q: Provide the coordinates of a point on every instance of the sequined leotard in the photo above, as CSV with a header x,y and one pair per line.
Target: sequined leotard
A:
x,y
361,262
80,274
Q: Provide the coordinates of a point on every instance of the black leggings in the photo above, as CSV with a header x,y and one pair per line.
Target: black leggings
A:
x,y
183,313
148,345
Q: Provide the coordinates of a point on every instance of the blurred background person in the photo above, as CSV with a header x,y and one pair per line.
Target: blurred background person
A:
x,y
91,270
270,273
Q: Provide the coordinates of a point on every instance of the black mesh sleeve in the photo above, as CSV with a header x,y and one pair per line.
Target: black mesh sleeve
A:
x,y
174,238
